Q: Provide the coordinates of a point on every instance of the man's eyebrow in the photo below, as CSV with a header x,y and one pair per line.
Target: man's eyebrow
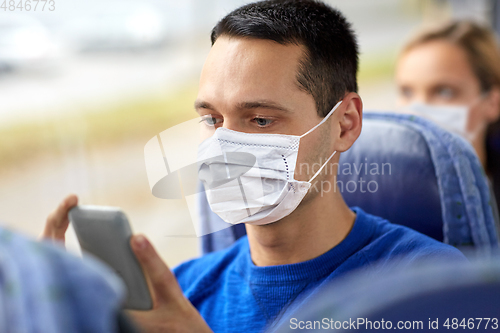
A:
x,y
264,104
203,105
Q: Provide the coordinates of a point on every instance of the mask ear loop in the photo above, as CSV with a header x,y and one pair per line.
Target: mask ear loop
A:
x,y
317,173
312,129
323,120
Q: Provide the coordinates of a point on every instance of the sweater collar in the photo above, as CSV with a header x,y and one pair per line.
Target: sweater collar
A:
x,y
312,269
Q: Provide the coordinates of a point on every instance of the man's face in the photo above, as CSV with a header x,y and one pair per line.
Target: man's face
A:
x,y
249,85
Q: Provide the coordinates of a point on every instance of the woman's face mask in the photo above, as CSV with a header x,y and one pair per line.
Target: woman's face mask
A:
x,y
453,118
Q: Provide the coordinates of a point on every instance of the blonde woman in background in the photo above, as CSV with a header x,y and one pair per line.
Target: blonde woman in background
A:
x,y
451,75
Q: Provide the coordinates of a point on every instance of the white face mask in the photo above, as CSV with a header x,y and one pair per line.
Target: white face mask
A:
x,y
249,178
451,118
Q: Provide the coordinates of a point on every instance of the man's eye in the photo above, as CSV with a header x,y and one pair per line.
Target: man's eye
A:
x,y
210,121
262,122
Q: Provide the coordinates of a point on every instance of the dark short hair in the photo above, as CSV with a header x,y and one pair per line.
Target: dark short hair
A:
x,y
328,70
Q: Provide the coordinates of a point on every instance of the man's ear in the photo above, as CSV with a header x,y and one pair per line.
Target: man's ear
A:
x,y
350,121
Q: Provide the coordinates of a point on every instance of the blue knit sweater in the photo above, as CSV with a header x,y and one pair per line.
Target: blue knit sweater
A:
x,y
234,295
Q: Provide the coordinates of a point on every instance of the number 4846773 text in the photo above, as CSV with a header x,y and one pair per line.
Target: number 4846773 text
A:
x,y
28,5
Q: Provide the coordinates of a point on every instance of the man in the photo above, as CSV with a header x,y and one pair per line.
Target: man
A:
x,y
276,67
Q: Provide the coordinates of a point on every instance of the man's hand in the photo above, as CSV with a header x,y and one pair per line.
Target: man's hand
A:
x,y
171,312
57,222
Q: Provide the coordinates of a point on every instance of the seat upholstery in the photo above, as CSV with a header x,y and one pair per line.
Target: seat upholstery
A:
x,y
45,289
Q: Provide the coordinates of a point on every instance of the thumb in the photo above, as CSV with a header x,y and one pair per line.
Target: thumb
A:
x,y
163,282
57,222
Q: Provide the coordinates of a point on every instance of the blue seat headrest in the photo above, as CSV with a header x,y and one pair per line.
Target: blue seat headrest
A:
x,y
436,184
389,172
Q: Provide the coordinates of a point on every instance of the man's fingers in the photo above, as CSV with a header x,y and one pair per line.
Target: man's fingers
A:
x,y
57,222
172,311
163,281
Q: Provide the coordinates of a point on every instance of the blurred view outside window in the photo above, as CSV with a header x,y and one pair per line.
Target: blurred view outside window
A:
x,y
84,86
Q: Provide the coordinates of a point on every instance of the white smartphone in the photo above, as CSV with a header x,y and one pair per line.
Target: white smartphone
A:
x,y
105,233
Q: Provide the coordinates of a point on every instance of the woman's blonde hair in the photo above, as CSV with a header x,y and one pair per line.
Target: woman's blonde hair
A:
x,y
478,41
